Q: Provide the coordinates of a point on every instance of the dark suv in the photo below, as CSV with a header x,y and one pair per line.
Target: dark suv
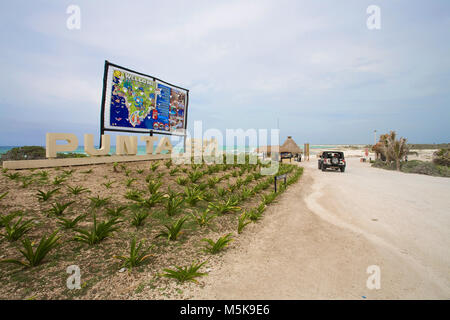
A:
x,y
332,159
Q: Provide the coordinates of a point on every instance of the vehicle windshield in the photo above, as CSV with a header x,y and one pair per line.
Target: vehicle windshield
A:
x,y
333,155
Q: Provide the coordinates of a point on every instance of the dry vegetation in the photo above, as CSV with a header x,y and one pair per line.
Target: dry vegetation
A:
x,y
143,205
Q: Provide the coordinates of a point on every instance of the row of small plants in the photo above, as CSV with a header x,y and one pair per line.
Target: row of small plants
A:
x,y
172,201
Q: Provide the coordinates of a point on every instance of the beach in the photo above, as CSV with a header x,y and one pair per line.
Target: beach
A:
x,y
320,237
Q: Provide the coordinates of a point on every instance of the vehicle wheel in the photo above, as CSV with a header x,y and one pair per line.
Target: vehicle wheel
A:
x,y
323,168
343,169
319,166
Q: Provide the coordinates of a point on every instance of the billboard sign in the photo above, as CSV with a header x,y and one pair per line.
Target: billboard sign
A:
x,y
135,102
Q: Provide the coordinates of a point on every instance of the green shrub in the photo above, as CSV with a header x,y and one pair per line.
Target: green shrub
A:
x,y
77,190
173,231
98,232
35,257
58,208
24,153
116,212
202,218
214,247
188,273
15,231
242,222
442,157
137,255
139,217
68,223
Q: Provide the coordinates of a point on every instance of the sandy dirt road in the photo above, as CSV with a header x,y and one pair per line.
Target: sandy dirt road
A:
x,y
319,239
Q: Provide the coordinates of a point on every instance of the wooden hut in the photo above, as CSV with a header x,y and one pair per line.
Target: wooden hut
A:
x,y
289,149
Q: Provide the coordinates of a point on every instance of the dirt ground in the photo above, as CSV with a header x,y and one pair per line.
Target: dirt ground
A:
x,y
324,232
101,276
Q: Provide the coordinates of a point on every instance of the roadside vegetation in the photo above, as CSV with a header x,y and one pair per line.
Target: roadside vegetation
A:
x,y
392,155
158,220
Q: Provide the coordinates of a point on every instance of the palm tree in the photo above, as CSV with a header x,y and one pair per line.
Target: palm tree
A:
x,y
395,150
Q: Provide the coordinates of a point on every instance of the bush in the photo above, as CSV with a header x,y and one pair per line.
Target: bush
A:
x,y
34,153
423,167
24,153
442,157
416,166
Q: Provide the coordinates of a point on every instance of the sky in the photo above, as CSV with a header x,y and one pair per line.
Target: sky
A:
x,y
312,66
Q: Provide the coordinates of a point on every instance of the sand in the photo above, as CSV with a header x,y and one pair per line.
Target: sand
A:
x,y
319,239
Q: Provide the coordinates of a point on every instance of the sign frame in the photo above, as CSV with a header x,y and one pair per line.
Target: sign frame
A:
x,y
143,131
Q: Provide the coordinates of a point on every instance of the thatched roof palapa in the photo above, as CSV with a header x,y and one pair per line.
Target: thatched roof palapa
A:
x,y
290,146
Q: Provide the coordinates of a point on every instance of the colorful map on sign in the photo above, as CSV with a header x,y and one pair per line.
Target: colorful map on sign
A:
x,y
143,103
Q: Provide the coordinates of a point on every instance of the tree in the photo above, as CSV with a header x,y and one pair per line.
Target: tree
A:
x,y
395,150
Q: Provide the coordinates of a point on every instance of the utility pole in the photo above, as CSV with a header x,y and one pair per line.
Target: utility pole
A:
x,y
375,137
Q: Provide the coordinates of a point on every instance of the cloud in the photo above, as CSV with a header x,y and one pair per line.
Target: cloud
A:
x,y
245,62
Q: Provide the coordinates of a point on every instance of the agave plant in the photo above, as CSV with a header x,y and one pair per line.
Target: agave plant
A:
x,y
44,196
168,163
208,196
174,171
182,181
257,175
98,232
77,190
194,176
26,181
268,198
137,255
58,180
140,171
223,207
221,192
213,181
154,166
6,219
187,273
13,176
97,202
15,231
42,174
242,222
35,257
116,212
153,186
115,165
192,195
129,182
160,175
214,247
68,223
254,215
3,195
68,173
203,218
108,185
231,187
174,202
139,218
58,209
173,231
154,199
134,195
245,193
